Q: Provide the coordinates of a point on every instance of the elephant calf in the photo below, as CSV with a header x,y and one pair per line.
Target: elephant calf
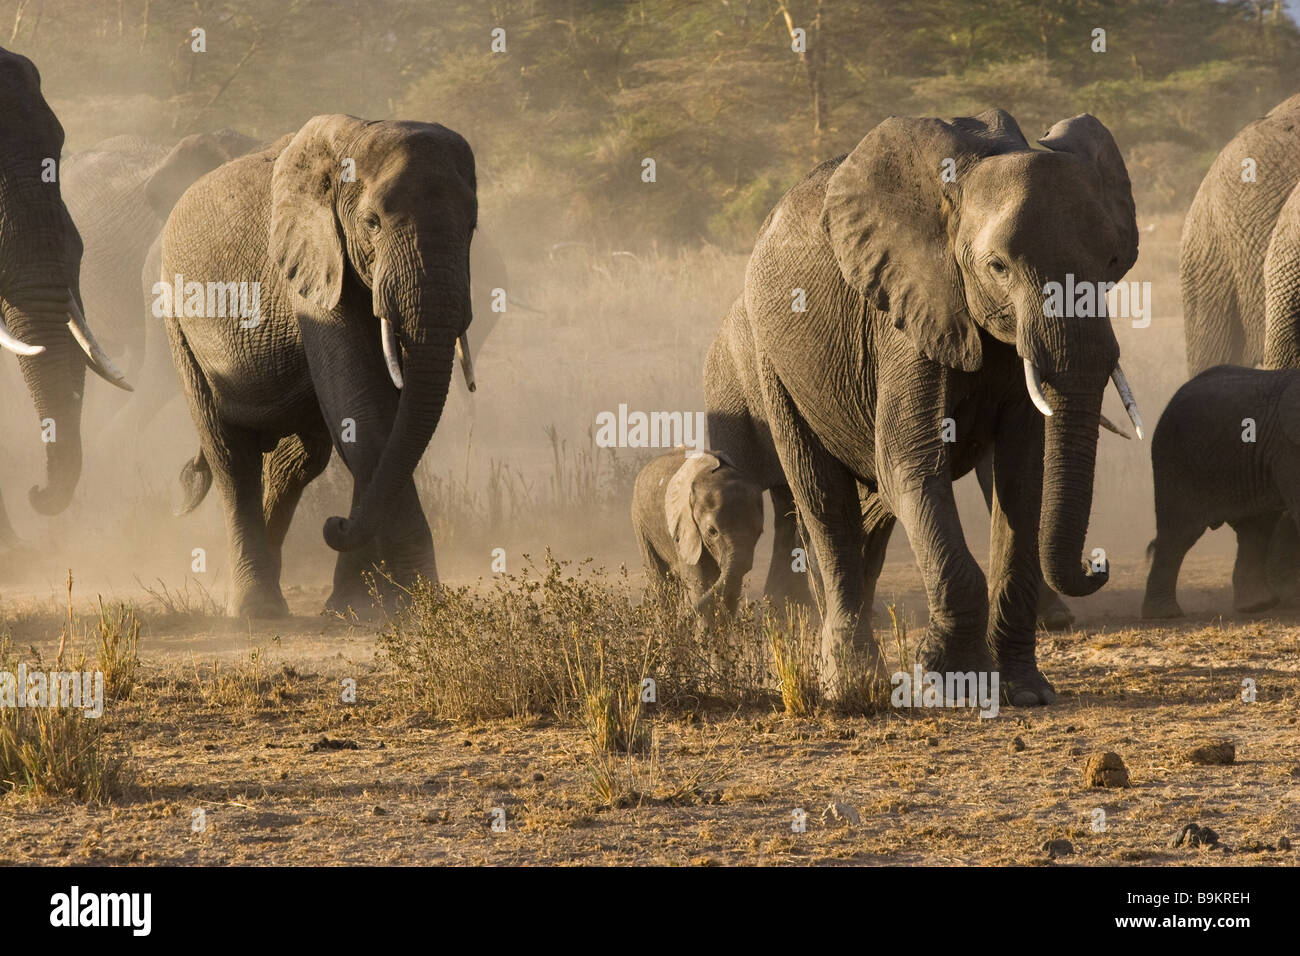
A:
x,y
1226,449
698,518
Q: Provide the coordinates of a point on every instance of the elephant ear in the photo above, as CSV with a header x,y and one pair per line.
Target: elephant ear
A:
x,y
886,213
679,510
306,239
189,159
1086,137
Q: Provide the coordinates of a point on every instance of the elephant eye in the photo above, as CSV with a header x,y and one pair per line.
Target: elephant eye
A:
x,y
998,268
371,221
713,532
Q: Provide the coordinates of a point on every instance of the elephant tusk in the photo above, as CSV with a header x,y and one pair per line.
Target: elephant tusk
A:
x,y
96,357
1110,426
1034,382
392,352
466,363
8,341
1126,396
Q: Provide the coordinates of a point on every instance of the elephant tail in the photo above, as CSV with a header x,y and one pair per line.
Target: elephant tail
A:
x,y
196,479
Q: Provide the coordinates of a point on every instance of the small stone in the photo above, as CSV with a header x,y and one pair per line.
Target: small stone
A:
x,y
1211,752
379,811
436,816
1105,770
932,741
1193,834
1017,745
1058,848
538,777
842,813
1070,729
1283,843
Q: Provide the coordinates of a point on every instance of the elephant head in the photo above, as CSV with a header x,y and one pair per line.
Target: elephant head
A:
x,y
710,506
957,230
189,159
391,205
41,316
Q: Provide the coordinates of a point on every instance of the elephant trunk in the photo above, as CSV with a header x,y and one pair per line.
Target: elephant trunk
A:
x,y
427,376
1070,446
726,591
56,380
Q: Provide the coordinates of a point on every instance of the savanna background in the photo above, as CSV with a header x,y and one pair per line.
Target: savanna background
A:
x,y
631,279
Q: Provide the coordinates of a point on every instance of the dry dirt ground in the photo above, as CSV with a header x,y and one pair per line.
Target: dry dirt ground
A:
x,y
245,724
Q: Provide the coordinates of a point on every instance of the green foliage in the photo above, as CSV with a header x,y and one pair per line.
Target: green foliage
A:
x,y
708,88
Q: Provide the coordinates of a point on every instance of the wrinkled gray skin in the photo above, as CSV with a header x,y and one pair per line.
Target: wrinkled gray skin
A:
x,y
924,298
1206,475
1229,234
40,257
333,260
119,192
699,519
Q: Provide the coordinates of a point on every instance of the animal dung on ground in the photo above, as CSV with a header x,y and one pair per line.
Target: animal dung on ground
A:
x,y
1058,848
1212,752
1105,770
842,813
1193,834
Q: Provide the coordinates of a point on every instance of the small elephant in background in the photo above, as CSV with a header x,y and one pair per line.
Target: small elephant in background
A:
x,y
698,517
1226,449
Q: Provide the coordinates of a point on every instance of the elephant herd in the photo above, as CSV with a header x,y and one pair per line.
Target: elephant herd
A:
x,y
930,347
893,333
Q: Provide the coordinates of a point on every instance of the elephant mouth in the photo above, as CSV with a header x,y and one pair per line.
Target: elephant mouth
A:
x,y
1034,384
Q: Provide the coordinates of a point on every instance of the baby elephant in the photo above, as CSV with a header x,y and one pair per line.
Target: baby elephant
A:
x,y
699,518
1226,449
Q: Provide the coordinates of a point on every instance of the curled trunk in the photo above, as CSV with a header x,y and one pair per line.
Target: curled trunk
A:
x,y
1070,445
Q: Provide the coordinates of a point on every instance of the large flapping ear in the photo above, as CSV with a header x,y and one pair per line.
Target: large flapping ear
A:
x,y
678,507
886,212
306,240
189,159
1086,137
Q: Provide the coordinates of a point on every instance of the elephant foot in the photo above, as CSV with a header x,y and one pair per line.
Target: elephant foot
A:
x,y
352,603
1247,599
944,656
1156,608
1053,614
259,604
848,665
1026,687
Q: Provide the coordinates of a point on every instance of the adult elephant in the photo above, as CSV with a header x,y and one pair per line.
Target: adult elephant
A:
x,y
119,193
1229,233
358,234
924,257
41,314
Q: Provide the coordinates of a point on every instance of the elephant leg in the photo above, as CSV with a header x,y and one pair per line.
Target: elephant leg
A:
x,y
877,528
1053,613
783,582
8,537
234,456
826,494
1015,574
286,471
1284,559
1250,589
1167,551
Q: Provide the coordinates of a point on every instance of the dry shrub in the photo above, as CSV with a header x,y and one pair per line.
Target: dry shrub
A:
x,y
512,649
56,751
118,630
